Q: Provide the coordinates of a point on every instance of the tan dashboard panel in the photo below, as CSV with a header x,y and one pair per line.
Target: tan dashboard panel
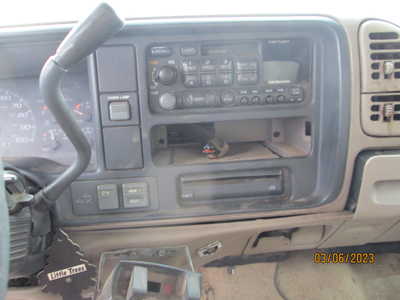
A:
x,y
374,114
234,236
380,188
380,56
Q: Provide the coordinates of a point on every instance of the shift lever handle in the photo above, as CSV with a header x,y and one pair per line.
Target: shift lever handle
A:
x,y
88,35
82,40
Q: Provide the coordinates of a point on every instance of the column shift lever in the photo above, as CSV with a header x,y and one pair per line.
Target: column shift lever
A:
x,y
82,40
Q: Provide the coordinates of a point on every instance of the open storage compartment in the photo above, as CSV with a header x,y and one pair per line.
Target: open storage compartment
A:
x,y
183,144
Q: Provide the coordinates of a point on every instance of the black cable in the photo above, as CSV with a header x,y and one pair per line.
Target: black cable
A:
x,y
276,283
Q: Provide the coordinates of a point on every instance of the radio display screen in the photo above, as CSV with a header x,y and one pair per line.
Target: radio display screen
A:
x,y
226,49
286,61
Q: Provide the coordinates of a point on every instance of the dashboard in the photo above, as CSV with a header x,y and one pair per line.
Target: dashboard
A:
x,y
233,116
233,136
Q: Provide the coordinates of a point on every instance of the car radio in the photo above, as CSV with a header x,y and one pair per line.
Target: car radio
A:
x,y
229,74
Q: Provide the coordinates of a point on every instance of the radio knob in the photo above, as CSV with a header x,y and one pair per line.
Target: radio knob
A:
x,y
167,101
167,75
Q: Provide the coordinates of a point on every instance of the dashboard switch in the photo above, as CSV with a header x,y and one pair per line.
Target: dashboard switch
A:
x,y
247,78
188,51
119,111
167,75
108,196
167,101
160,51
135,195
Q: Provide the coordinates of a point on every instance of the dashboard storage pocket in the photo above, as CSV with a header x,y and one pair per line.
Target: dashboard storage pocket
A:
x,y
187,144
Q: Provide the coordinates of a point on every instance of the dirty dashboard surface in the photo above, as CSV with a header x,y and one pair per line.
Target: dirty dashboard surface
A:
x,y
188,118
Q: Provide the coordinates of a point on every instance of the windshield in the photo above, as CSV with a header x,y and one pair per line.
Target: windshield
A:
x,y
19,12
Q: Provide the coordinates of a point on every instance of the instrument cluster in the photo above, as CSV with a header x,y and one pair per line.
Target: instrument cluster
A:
x,y
28,129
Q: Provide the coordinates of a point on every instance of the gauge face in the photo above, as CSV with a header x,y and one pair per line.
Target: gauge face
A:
x,y
17,123
82,111
29,130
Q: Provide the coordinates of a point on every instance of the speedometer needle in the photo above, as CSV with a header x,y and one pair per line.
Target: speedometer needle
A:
x,y
78,112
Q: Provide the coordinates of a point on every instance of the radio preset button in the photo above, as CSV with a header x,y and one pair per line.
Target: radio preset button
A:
x,y
211,100
226,65
247,78
224,78
208,66
228,98
199,100
191,80
254,91
255,100
244,100
247,66
269,99
188,100
208,80
295,91
189,66
281,99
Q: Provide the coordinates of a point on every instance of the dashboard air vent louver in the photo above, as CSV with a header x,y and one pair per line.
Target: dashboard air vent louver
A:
x,y
380,78
380,56
383,35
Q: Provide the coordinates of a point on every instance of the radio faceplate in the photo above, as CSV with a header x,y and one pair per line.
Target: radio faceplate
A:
x,y
229,74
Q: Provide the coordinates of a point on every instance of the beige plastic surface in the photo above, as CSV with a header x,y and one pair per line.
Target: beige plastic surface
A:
x,y
378,205
359,232
380,189
370,85
392,235
379,127
303,238
235,237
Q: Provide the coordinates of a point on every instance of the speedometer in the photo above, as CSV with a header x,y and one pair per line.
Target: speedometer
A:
x,y
17,123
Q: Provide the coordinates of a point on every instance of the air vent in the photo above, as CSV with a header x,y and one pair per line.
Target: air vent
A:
x,y
384,46
387,55
383,35
380,56
385,98
380,114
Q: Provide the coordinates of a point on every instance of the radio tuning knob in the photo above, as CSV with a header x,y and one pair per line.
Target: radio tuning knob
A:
x,y
167,101
166,75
